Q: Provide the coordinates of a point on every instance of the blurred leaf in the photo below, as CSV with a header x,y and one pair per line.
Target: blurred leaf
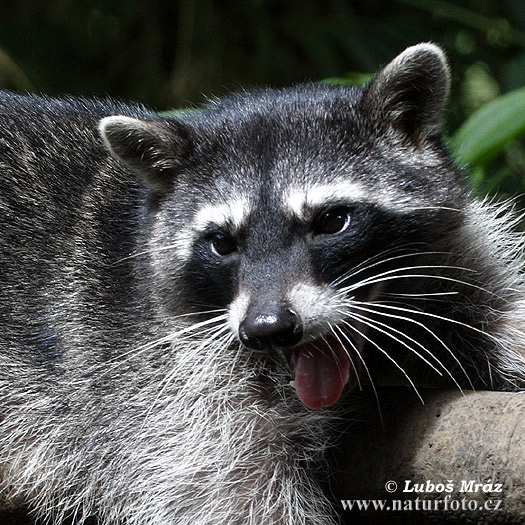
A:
x,y
12,75
476,178
351,79
178,113
487,132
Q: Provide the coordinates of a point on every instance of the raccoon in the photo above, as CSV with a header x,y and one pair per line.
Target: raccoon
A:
x,y
188,304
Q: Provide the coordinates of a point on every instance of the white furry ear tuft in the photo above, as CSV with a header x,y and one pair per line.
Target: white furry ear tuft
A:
x,y
409,93
153,148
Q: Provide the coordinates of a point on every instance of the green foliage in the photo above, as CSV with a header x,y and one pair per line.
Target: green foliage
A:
x,y
350,79
487,133
175,53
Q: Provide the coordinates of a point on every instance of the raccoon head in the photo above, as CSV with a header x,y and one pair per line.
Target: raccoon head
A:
x,y
277,206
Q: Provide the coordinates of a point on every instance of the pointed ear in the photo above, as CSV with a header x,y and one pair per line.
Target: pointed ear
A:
x,y
152,148
409,93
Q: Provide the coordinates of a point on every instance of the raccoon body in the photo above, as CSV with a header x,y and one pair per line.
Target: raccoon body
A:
x,y
186,304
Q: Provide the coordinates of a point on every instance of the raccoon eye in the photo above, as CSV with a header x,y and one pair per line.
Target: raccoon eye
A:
x,y
332,221
223,244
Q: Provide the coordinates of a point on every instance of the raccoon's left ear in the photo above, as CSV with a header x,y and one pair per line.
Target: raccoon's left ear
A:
x,y
409,93
152,148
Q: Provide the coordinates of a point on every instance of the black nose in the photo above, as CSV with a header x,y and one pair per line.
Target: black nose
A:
x,y
271,330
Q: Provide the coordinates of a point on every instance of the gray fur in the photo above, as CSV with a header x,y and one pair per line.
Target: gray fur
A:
x,y
125,392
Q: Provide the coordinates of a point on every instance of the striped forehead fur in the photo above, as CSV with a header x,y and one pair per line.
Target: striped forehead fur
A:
x,y
300,201
229,216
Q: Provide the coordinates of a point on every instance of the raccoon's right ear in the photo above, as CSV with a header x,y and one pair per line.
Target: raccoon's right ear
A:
x,y
152,148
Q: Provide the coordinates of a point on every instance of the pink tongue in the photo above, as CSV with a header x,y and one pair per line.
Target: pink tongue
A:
x,y
321,373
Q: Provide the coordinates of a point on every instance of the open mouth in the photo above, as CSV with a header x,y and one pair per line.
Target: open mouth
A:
x,y
322,370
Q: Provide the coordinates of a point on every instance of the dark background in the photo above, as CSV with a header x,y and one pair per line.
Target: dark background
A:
x,y
171,54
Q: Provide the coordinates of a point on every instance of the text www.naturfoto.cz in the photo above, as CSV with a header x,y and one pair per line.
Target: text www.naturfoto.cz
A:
x,y
417,504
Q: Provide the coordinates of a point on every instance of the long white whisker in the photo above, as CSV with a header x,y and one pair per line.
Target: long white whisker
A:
x,y
421,325
373,323
435,316
419,295
332,329
372,382
362,267
373,343
146,252
121,358
214,339
393,274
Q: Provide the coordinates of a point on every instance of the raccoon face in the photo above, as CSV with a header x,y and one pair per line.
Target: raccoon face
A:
x,y
290,209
